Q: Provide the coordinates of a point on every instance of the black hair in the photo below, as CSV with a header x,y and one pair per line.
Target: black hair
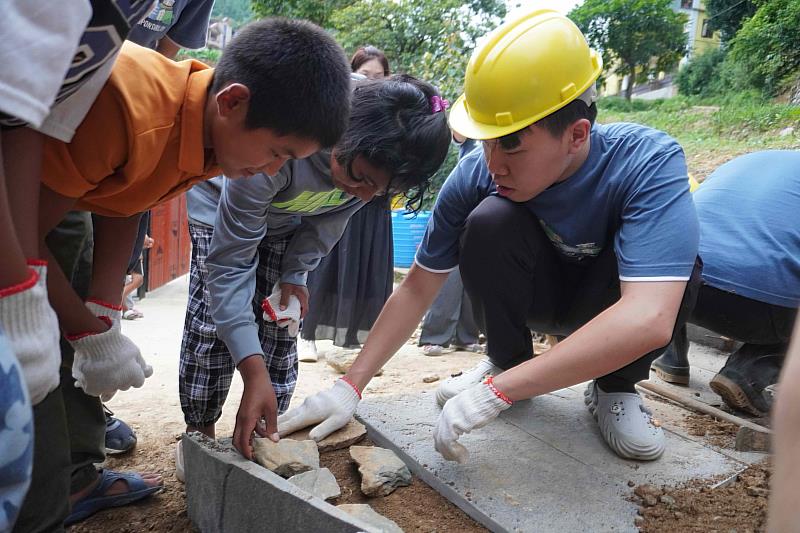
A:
x,y
555,123
298,77
392,124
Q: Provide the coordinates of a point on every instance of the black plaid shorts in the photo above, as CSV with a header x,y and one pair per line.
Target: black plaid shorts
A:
x,y
206,366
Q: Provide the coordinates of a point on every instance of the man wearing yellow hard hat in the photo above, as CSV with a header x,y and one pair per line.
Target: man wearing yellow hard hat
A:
x,y
560,225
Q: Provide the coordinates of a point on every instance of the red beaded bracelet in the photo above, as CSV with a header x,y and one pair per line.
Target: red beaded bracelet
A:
x,y
490,383
352,385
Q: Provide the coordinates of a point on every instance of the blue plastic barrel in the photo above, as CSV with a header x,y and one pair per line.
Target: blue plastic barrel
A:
x,y
407,233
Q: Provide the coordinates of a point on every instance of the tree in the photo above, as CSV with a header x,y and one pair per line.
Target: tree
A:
x,y
727,16
635,37
317,11
237,10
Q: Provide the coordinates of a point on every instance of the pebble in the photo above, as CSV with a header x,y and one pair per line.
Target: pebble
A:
x,y
430,379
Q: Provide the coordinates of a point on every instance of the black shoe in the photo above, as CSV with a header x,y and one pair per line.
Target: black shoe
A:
x,y
747,372
672,366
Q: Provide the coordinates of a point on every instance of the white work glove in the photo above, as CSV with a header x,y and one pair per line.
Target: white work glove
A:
x,y
471,409
333,407
289,318
109,361
31,326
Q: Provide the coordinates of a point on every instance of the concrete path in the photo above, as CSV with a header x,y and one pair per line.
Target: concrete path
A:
x,y
543,466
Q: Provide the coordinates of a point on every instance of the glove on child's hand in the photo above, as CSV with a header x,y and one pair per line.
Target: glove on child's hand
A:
x,y
288,318
31,326
109,361
333,407
471,409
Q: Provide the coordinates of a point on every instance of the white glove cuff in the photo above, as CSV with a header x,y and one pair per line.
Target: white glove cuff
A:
x,y
31,326
100,308
346,395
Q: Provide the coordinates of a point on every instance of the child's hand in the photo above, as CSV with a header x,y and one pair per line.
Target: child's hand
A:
x,y
258,403
300,291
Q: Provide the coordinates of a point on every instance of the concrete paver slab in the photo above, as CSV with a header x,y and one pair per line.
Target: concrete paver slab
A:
x,y
542,466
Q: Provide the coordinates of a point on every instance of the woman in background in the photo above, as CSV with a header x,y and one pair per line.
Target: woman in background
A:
x,y
349,287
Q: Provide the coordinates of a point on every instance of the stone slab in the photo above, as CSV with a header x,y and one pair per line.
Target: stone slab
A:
x,y
226,493
321,483
542,466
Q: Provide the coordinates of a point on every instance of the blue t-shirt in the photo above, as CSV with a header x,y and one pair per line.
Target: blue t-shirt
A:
x,y
16,436
185,22
749,212
632,191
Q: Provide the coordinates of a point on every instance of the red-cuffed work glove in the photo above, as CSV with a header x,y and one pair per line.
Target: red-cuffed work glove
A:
x,y
31,327
333,408
288,318
108,361
468,410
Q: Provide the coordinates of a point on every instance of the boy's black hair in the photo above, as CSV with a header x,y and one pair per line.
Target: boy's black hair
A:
x,y
555,123
392,124
298,76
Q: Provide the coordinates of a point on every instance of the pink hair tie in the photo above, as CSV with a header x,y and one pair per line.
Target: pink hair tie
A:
x,y
438,104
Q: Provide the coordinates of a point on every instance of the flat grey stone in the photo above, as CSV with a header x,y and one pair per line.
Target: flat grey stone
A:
x,y
378,522
381,470
321,483
226,492
286,457
351,433
342,360
543,464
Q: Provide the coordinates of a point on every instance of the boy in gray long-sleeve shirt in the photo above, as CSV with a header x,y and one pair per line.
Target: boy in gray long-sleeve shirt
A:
x,y
251,234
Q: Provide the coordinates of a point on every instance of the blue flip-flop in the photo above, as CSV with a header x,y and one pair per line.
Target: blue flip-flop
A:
x,y
96,501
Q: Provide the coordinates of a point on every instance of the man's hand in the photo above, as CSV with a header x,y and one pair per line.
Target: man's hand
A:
x,y
300,291
472,409
333,407
258,403
148,242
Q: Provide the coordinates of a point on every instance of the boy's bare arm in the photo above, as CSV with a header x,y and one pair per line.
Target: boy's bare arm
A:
x,y
114,238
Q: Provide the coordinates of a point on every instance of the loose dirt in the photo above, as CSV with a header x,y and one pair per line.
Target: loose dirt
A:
x,y
740,506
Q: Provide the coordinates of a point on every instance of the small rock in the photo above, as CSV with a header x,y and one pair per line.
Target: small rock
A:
x,y
649,500
381,470
638,521
342,360
364,512
647,490
758,491
678,514
321,483
631,483
669,501
351,433
430,379
287,457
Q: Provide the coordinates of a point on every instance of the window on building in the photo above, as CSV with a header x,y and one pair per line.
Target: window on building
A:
x,y
706,32
686,4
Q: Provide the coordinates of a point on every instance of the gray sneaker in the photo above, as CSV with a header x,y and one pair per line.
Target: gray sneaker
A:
x,y
625,423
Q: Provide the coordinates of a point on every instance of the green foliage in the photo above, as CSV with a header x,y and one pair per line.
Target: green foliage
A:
x,y
767,48
426,38
209,56
634,36
727,16
317,11
701,76
237,10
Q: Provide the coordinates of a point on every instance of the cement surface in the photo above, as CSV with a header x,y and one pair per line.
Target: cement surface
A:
x,y
542,466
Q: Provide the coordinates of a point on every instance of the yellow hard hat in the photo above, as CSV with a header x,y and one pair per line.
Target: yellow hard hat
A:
x,y
526,69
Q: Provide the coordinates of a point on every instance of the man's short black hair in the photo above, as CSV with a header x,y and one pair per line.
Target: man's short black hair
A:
x,y
555,123
298,77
